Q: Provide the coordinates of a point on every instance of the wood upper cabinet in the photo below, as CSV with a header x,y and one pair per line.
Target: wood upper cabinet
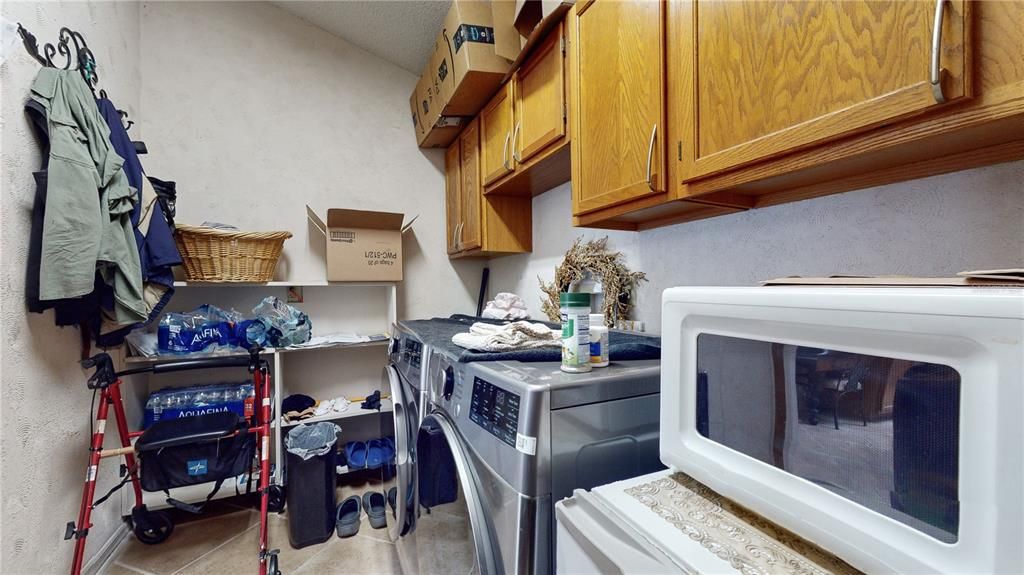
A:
x,y
480,225
496,136
618,105
468,233
540,108
526,139
755,80
453,193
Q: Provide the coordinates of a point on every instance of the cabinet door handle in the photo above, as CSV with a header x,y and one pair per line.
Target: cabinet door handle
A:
x,y
650,155
515,138
455,232
459,232
504,151
936,70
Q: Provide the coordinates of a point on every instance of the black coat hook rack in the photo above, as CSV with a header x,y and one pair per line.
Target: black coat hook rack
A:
x,y
83,57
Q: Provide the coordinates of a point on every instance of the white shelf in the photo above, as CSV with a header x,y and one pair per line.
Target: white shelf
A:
x,y
328,316
307,283
353,411
148,360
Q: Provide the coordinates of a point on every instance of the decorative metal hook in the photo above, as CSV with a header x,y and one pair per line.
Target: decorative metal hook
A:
x,y
83,56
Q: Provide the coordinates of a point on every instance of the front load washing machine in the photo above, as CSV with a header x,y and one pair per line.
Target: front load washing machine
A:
x,y
502,441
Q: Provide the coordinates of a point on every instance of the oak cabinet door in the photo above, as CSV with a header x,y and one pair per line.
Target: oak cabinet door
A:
x,y
496,136
540,99
469,233
761,79
453,193
618,113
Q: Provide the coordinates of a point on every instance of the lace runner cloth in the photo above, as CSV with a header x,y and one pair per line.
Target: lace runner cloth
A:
x,y
748,542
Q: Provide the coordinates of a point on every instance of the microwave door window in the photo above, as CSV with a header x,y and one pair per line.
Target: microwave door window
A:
x,y
878,431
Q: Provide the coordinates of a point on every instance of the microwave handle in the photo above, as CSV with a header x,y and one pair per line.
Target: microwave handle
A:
x,y
703,426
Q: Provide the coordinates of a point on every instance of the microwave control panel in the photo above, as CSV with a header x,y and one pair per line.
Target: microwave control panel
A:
x,y
496,410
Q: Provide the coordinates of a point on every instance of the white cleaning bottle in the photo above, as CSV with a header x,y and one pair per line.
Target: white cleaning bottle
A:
x,y
598,341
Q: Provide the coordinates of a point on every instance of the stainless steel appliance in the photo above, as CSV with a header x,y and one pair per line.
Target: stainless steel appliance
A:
x,y
513,438
404,377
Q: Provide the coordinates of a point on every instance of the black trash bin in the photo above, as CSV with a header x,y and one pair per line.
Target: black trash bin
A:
x,y
311,474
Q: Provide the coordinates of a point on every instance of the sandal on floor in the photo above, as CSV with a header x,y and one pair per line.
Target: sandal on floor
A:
x,y
373,501
355,454
347,518
393,499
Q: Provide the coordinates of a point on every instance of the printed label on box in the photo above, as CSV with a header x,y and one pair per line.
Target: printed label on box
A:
x,y
343,236
380,257
471,33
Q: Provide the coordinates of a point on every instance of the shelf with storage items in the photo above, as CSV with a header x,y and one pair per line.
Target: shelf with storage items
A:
x,y
353,411
381,341
323,372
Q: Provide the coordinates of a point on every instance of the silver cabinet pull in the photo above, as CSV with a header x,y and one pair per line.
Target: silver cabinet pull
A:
x,y
459,232
455,231
515,138
504,151
650,154
936,71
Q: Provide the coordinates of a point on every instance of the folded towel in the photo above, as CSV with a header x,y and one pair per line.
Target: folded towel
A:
x,y
509,337
506,305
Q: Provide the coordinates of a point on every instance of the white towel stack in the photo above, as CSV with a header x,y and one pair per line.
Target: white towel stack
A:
x,y
506,305
510,337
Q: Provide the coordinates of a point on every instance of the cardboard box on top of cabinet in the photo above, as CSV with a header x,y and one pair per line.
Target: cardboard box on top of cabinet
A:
x,y
465,59
506,40
433,130
527,15
361,245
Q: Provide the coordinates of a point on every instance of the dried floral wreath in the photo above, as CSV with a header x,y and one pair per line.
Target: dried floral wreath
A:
x,y
593,256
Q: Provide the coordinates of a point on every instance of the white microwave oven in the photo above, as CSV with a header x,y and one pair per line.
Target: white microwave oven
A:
x,y
884,424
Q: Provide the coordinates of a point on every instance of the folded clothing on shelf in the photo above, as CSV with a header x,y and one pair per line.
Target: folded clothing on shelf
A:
x,y
297,407
336,405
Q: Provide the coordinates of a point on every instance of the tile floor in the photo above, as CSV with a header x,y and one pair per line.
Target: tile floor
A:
x,y
224,539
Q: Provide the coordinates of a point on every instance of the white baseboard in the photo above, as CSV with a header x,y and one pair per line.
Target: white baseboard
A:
x,y
108,553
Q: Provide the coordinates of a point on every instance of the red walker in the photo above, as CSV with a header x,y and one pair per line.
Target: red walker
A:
x,y
156,526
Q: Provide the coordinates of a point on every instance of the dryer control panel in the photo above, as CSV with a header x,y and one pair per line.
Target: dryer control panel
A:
x,y
495,409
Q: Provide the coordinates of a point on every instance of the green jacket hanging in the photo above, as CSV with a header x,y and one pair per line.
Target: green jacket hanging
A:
x,y
87,227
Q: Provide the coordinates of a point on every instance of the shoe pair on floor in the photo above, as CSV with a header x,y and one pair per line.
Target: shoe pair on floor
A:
x,y
371,454
348,515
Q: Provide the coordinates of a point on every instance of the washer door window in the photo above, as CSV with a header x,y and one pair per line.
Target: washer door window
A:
x,y
402,514
451,532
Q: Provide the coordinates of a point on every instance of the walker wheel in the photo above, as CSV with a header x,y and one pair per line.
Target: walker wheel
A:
x,y
272,565
153,527
275,499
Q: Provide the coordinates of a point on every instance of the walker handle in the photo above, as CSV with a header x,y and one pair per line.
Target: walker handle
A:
x,y
104,375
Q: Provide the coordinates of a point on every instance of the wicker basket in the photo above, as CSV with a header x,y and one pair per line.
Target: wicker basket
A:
x,y
213,255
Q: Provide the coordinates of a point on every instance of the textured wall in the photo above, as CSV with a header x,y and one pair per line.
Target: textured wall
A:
x,y
931,227
45,424
255,112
